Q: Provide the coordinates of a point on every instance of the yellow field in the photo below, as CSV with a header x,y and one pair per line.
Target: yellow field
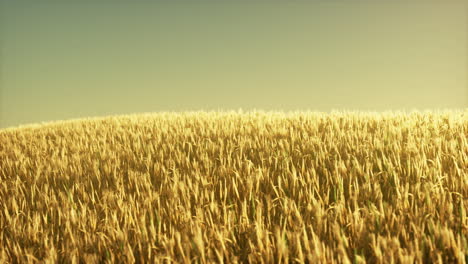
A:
x,y
237,187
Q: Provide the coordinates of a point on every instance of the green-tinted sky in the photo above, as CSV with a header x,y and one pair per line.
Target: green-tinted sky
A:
x,y
72,59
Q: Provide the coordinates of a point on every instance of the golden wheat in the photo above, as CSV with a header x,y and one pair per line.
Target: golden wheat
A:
x,y
237,187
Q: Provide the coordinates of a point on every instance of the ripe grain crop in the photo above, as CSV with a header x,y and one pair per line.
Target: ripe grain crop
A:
x,y
227,187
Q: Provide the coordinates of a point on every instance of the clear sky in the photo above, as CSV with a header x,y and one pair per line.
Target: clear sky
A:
x,y
73,59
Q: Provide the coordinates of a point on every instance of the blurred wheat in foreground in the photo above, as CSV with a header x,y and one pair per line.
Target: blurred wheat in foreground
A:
x,y
227,187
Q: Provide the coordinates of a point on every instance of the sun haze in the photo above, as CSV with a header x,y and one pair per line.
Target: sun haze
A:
x,y
62,60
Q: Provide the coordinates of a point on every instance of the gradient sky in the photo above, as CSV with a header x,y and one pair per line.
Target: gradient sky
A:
x,y
64,59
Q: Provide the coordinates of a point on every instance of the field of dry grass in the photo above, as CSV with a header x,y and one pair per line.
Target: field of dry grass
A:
x,y
237,187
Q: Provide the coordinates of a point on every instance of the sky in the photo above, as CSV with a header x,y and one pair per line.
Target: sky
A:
x,y
63,60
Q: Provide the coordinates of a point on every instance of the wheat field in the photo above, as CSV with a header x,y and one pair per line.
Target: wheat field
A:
x,y
237,187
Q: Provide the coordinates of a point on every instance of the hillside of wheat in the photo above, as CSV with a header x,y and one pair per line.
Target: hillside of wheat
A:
x,y
227,187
